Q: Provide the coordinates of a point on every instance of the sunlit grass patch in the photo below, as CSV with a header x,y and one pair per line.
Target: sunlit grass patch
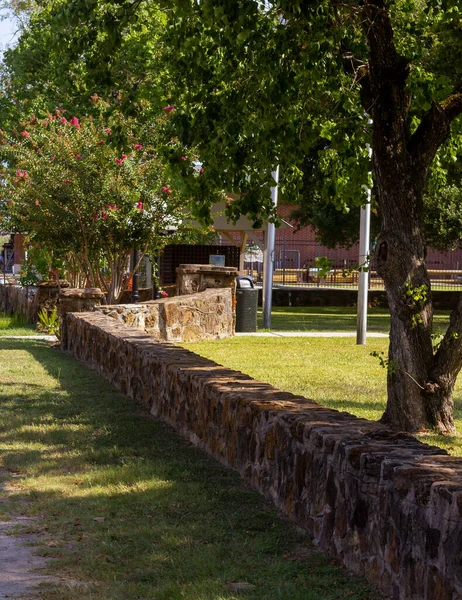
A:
x,y
336,318
15,325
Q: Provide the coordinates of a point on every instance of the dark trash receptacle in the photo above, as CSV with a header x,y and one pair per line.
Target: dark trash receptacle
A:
x,y
246,305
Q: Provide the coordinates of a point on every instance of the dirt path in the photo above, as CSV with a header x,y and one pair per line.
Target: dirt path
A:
x,y
19,565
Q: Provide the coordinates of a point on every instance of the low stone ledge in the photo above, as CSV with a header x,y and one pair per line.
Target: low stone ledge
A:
x,y
388,506
207,315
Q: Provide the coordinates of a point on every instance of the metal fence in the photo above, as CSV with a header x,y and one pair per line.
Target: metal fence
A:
x,y
295,265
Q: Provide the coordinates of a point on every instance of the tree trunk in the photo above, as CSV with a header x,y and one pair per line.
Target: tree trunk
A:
x,y
420,382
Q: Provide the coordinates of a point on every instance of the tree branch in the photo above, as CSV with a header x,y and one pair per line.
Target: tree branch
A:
x,y
434,129
385,99
448,358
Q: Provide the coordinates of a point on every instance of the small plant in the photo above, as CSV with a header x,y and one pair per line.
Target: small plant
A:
x,y
416,298
391,366
49,323
27,275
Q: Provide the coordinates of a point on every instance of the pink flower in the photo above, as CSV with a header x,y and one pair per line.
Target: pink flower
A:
x,y
164,188
114,207
139,205
201,170
74,121
38,150
45,123
137,146
67,181
104,215
108,131
95,217
124,156
64,120
25,134
164,294
184,158
168,108
62,111
15,182
119,161
78,156
52,158
18,173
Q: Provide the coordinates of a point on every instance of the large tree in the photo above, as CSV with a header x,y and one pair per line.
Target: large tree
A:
x,y
287,73
254,84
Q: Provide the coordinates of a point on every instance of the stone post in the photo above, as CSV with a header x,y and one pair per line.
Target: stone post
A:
x,y
48,294
76,300
191,279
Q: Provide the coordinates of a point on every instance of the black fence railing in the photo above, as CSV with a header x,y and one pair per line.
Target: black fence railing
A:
x,y
296,265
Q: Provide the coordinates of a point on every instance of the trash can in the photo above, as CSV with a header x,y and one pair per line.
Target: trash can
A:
x,y
246,304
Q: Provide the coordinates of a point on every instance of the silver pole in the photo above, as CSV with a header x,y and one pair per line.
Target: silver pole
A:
x,y
363,282
268,266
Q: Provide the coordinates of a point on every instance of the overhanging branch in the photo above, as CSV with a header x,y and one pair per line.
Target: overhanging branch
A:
x,y
434,129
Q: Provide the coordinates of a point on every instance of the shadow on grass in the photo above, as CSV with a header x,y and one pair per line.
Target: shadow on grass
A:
x,y
130,510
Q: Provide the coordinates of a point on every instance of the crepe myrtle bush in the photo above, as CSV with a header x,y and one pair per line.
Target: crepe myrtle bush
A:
x,y
72,191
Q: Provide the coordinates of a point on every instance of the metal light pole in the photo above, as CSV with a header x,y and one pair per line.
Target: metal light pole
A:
x,y
269,258
363,282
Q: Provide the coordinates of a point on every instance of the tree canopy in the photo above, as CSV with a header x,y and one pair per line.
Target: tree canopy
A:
x,y
253,84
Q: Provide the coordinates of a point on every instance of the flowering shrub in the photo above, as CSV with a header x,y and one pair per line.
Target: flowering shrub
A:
x,y
73,192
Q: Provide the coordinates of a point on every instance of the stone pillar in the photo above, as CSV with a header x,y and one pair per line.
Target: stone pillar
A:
x,y
191,279
76,300
48,293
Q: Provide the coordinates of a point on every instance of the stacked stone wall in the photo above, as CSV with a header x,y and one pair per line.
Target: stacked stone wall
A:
x,y
27,301
18,300
388,506
207,315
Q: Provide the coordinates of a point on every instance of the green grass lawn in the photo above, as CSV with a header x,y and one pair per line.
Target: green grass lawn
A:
x,y
15,325
127,510
332,371
335,318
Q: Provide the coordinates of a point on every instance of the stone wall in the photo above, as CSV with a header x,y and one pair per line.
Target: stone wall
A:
x,y
442,299
27,301
387,506
18,300
207,315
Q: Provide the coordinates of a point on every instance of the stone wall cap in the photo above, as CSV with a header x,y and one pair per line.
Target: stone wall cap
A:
x,y
53,283
206,268
81,293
